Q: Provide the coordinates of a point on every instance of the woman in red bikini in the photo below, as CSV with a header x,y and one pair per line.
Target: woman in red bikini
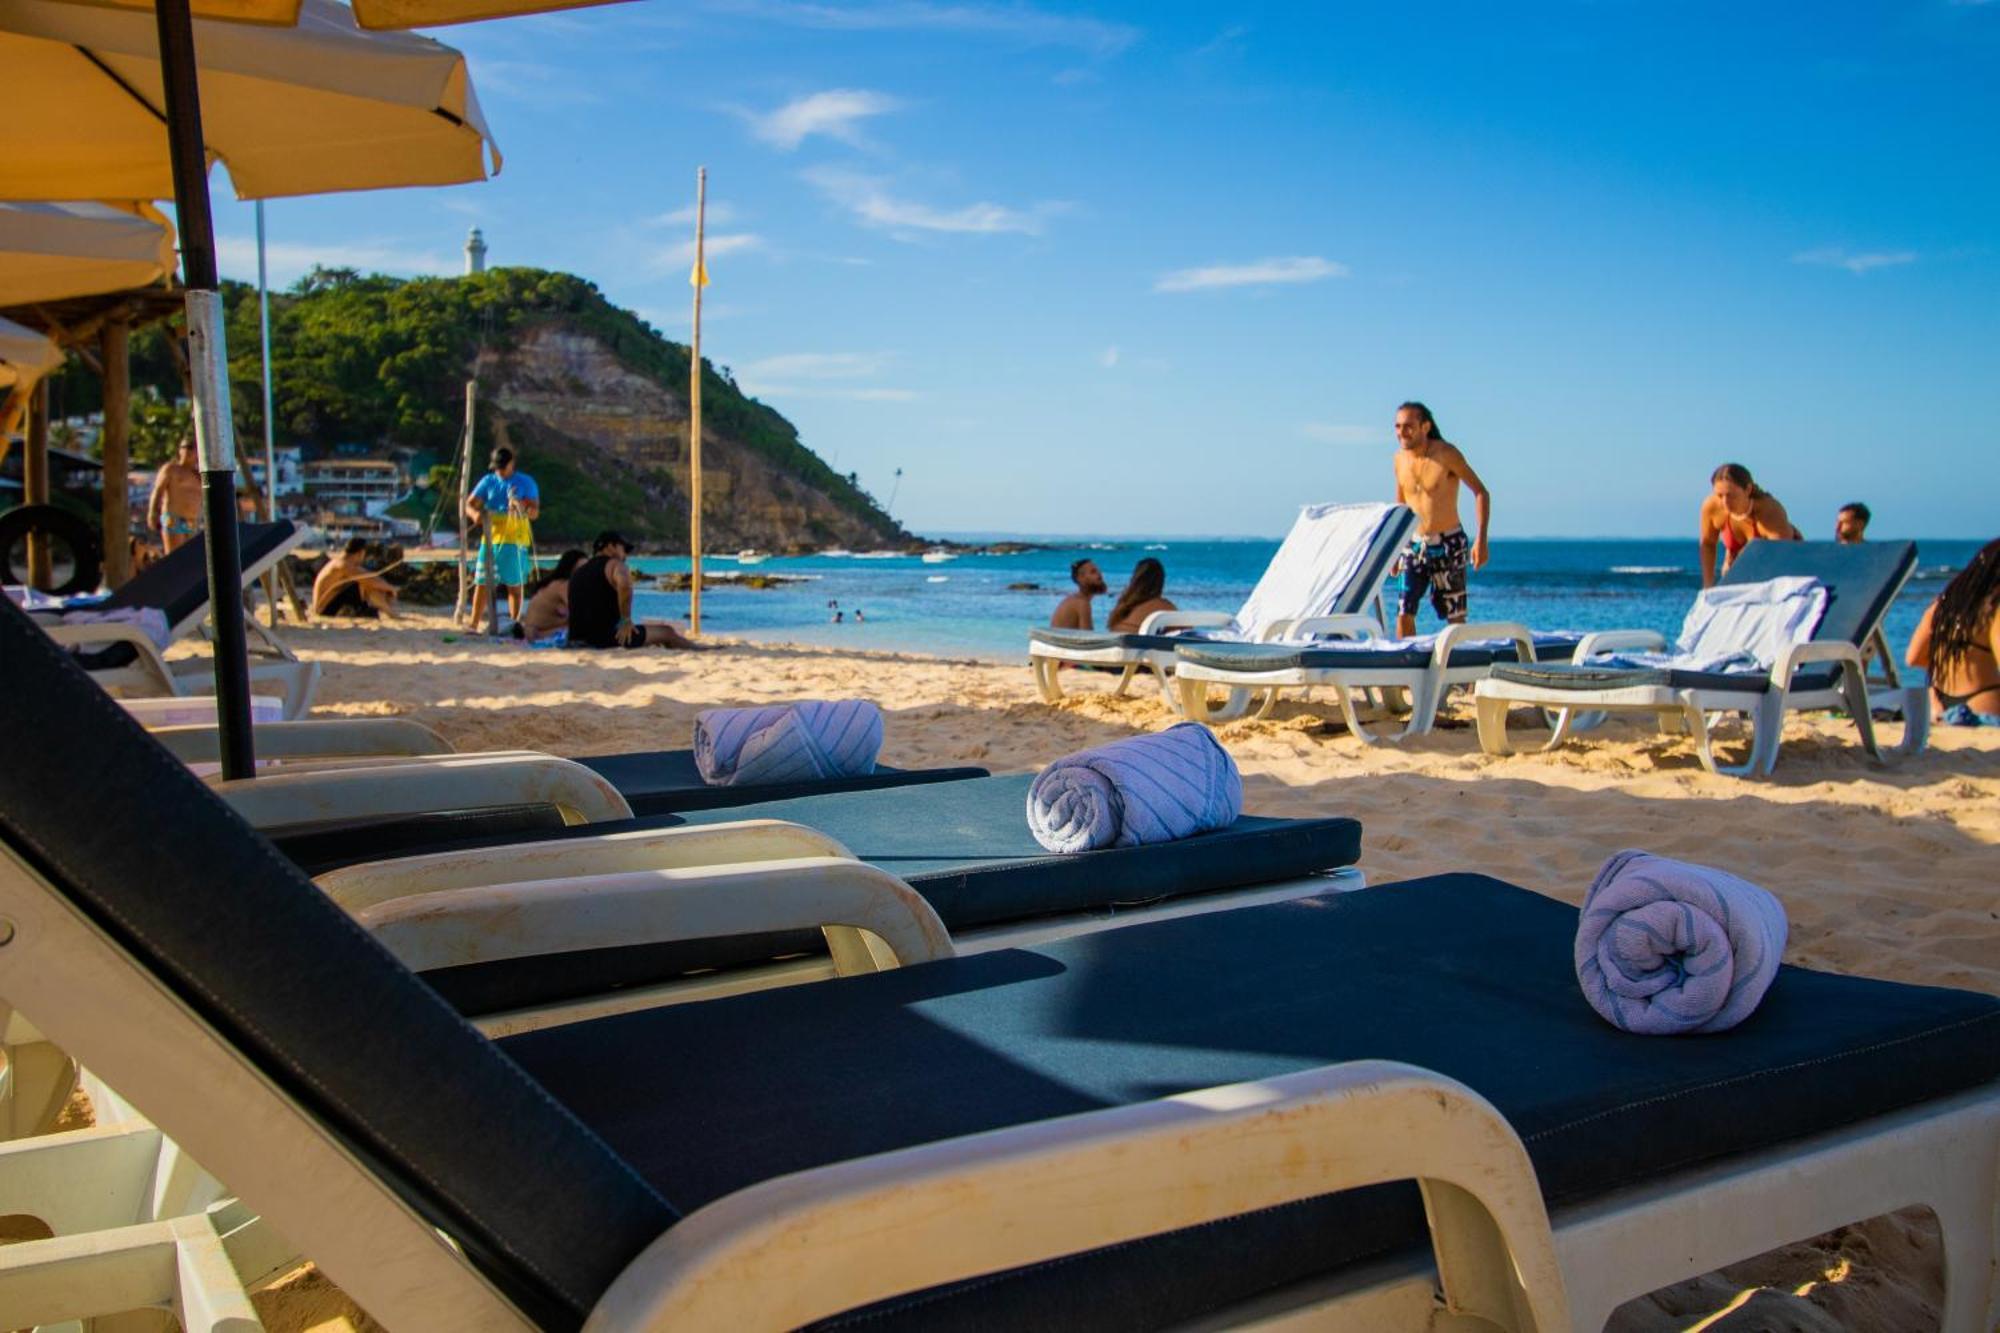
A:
x,y
1737,512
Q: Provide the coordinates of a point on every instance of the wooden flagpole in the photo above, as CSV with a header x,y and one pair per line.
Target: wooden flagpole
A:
x,y
699,279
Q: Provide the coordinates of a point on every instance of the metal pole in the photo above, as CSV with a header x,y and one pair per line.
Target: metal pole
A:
x,y
35,486
464,490
208,363
114,354
700,279
270,426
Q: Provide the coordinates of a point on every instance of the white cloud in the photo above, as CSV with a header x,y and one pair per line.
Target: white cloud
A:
x,y
816,366
1329,433
1018,23
871,203
716,245
532,82
836,113
1855,262
288,261
1108,357
719,215
1262,272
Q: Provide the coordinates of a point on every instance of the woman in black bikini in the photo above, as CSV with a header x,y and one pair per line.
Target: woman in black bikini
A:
x,y
1957,641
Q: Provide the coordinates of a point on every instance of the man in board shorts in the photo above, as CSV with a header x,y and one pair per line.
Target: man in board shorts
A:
x,y
1429,469
512,498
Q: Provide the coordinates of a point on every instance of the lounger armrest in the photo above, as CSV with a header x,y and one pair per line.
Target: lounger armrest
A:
x,y
319,738
360,887
801,1247
1484,629
1806,654
1161,621
1619,640
539,917
1347,626
413,787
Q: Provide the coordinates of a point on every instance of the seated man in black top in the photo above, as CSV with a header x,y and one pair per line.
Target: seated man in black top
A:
x,y
600,603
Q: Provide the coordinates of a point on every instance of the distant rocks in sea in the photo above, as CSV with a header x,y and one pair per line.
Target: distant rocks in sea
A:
x,y
682,582
1026,587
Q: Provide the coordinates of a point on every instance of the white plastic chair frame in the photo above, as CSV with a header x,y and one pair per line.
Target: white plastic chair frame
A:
x,y
1696,711
1047,660
1426,685
151,674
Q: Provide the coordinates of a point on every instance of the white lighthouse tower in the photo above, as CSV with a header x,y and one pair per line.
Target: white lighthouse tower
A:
x,y
475,253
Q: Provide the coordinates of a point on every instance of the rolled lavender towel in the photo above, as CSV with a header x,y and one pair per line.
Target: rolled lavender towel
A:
x,y
1665,947
797,742
1158,788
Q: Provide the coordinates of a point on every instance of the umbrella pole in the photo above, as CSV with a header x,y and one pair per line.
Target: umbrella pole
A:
x,y
208,363
270,427
698,278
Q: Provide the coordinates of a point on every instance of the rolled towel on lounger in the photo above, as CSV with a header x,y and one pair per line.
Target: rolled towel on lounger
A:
x,y
1158,788
1665,947
797,742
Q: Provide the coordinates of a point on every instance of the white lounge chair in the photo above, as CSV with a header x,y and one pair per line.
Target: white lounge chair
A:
x,y
1823,665
1333,562
123,657
1157,1125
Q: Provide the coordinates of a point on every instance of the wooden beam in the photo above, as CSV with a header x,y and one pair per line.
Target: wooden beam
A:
x,y
115,348
35,485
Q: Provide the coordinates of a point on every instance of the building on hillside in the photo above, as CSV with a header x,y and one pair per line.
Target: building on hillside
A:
x,y
291,474
352,486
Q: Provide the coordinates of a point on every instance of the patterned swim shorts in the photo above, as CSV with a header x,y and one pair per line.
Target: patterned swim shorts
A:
x,y
1437,565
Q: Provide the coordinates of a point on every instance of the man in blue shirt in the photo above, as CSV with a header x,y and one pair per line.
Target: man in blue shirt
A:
x,y
514,501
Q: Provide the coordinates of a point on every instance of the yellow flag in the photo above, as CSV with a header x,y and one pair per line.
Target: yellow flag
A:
x,y
698,276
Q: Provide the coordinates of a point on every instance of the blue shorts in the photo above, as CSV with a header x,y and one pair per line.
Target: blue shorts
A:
x,y
1961,715
1437,566
512,565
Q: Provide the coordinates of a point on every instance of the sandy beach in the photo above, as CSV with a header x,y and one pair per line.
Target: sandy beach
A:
x,y
1889,872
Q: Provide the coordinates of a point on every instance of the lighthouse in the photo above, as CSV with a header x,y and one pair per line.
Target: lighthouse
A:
x,y
475,253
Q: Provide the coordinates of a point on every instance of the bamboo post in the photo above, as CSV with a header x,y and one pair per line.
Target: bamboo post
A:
x,y
489,576
270,505
35,485
114,349
464,490
699,280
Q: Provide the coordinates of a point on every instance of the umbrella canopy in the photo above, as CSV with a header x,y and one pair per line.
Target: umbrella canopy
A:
x,y
310,109
49,252
372,13
25,356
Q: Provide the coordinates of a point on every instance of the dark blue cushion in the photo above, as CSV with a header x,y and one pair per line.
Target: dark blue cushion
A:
x,y
965,846
1861,580
144,850
661,781
1089,639
1460,973
1248,657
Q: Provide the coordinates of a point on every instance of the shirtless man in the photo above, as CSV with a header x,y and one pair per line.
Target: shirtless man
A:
x,y
1073,611
345,584
600,604
1429,469
174,508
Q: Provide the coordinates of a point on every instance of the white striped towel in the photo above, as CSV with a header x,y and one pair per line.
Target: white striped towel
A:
x,y
797,742
1667,947
1145,789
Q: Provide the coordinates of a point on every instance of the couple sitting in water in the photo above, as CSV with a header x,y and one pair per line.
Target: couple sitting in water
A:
x,y
591,597
1142,597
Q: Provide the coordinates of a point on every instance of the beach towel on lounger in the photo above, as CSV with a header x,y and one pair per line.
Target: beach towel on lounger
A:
x,y
1666,947
1738,627
1145,789
799,742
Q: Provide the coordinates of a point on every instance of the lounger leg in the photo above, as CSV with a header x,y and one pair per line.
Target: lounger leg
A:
x,y
1916,720
1045,669
1854,689
1266,702
1125,680
1194,700
1696,723
1971,1238
1492,719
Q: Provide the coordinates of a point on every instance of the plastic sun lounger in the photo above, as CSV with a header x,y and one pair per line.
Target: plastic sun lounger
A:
x,y
1354,662
121,656
962,847
1829,671
1212,1119
1333,562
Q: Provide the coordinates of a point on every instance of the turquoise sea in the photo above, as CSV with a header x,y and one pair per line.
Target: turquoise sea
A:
x,y
964,607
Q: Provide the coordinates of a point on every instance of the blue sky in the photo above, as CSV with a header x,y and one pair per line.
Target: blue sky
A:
x,y
1170,268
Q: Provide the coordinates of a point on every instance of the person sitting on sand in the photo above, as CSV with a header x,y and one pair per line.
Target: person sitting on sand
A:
x,y
346,586
600,603
548,605
1141,598
1958,643
1737,512
1850,525
1073,611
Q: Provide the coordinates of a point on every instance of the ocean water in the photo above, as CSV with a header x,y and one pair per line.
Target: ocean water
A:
x,y
965,607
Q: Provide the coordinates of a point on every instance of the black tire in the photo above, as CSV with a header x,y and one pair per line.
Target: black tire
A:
x,y
63,529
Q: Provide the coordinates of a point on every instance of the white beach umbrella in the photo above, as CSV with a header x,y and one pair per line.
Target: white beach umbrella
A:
x,y
311,109
49,252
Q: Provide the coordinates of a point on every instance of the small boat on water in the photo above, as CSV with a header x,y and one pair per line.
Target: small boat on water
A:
x,y
939,556
751,557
